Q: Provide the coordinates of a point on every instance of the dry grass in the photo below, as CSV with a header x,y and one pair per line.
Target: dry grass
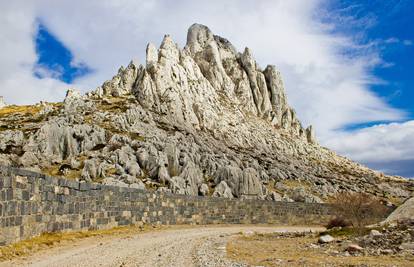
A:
x,y
70,174
49,240
136,136
296,183
24,110
397,201
114,104
268,250
25,118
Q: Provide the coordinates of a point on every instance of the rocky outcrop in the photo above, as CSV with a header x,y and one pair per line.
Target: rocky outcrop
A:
x,y
244,183
58,141
2,103
122,83
222,190
200,120
11,141
402,213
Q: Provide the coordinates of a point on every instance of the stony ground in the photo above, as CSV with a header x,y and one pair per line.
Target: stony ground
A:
x,y
289,249
200,246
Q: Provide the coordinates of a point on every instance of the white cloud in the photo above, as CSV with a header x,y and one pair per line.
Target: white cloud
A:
x,y
408,42
17,57
43,71
328,88
392,40
382,146
379,143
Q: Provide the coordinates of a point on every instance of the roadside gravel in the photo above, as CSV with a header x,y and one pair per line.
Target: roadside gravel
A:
x,y
198,246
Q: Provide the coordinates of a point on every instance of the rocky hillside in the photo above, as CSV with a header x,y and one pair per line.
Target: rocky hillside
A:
x,y
202,120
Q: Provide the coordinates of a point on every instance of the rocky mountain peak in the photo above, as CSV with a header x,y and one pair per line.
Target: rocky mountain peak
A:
x,y
194,83
198,37
199,120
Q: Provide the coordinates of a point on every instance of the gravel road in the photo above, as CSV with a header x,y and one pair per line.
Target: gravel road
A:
x,y
198,246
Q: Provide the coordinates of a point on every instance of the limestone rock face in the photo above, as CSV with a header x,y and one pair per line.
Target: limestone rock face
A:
x,y
11,139
204,190
250,184
257,84
122,83
242,183
2,103
232,176
199,120
72,94
59,141
403,212
222,190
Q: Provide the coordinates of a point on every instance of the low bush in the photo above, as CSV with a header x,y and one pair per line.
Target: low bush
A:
x,y
338,222
359,209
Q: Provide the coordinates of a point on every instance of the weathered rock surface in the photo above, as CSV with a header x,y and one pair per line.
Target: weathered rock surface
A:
x,y
222,190
2,103
393,239
204,119
326,239
403,212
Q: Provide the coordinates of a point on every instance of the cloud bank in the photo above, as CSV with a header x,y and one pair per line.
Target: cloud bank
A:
x,y
327,75
387,147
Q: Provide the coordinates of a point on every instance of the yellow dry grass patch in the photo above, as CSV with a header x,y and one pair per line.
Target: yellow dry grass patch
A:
x,y
13,109
48,240
54,171
296,183
267,250
114,104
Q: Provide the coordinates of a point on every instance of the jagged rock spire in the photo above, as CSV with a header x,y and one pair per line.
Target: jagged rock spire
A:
x,y
198,38
192,84
2,103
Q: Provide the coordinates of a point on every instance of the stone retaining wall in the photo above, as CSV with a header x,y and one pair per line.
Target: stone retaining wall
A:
x,y
33,203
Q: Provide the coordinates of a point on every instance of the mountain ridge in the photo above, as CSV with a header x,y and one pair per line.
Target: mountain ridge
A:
x,y
202,120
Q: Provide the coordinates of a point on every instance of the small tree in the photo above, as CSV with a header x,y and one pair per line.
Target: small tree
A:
x,y
359,209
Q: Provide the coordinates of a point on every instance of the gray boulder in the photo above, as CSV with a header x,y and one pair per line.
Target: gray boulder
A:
x,y
250,185
28,159
403,212
177,185
111,181
326,239
204,190
133,168
222,190
172,157
300,195
231,176
242,183
275,196
193,178
92,169
89,171
138,185
10,139
163,175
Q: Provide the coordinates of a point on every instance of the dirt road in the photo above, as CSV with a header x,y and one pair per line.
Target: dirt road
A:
x,y
198,246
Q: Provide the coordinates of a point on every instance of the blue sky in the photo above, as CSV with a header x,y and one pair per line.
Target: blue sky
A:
x,y
387,26
347,65
54,58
